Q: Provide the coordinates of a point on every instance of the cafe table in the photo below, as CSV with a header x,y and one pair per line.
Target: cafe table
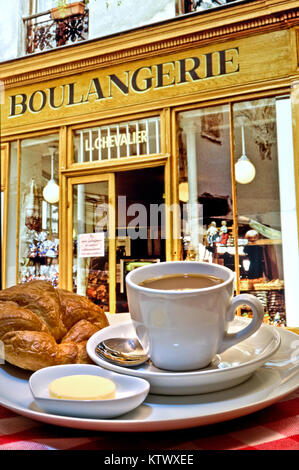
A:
x,y
273,427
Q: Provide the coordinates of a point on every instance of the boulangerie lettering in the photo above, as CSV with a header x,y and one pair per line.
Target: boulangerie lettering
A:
x,y
167,74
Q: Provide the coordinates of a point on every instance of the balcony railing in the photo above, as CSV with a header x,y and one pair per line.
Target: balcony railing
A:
x,y
44,33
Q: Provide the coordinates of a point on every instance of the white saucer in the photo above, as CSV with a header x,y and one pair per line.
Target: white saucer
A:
x,y
228,369
130,392
270,383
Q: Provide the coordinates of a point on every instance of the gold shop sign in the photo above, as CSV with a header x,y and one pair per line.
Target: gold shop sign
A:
x,y
139,80
183,73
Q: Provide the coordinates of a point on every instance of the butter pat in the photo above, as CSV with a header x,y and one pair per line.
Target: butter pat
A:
x,y
82,387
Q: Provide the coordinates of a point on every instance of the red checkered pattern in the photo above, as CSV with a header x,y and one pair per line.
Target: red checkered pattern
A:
x,y
273,428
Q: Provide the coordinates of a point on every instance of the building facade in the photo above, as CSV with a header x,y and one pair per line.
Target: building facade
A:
x,y
176,139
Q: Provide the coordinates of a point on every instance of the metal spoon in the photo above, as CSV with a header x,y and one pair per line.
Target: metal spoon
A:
x,y
126,352
127,347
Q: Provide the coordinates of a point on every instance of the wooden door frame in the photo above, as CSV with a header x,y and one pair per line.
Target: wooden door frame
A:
x,y
66,233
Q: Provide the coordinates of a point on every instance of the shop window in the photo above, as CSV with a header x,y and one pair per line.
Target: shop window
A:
x,y
38,232
44,5
238,214
205,188
128,139
264,188
189,6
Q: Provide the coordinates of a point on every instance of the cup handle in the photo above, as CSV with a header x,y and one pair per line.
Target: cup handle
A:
x,y
230,339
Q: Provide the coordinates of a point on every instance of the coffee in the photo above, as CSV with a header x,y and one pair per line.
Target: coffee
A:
x,y
181,282
183,331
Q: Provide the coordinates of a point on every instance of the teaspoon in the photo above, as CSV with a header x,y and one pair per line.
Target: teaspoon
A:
x,y
122,351
127,347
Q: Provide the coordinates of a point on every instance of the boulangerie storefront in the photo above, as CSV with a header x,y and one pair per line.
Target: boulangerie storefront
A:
x,y
175,141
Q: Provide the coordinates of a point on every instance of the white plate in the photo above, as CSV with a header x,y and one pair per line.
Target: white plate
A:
x,y
274,380
228,369
130,392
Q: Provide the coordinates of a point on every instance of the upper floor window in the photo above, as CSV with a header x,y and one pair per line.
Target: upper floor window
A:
x,y
44,5
200,5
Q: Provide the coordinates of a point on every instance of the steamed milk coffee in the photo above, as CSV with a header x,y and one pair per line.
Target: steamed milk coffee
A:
x,y
181,282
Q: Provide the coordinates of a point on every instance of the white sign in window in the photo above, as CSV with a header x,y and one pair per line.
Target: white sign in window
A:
x,y
91,245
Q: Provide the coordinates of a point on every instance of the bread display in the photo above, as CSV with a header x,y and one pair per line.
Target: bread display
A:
x,y
42,326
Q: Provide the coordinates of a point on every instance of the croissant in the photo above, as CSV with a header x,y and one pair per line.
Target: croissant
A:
x,y
41,326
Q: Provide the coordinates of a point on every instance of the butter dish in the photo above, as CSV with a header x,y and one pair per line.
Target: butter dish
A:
x,y
130,392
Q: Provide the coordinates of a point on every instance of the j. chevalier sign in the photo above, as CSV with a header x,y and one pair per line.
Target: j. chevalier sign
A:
x,y
123,138
144,79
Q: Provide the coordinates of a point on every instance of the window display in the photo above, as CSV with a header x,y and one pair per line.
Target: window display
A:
x,y
38,223
205,173
234,194
259,208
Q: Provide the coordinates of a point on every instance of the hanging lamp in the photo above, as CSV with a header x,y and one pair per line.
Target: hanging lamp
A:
x,y
244,168
51,190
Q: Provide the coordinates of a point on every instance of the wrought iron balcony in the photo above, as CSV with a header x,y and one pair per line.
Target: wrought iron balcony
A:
x,y
45,33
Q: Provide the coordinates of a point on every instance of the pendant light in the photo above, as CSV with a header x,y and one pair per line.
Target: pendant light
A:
x,y
51,190
244,169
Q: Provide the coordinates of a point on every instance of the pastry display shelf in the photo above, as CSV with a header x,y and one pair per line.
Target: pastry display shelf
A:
x,y
266,241
250,289
260,241
241,243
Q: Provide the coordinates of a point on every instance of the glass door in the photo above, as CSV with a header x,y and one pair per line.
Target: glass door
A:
x,y
91,238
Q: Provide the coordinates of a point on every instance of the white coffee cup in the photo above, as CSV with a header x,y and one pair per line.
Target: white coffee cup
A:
x,y
184,330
